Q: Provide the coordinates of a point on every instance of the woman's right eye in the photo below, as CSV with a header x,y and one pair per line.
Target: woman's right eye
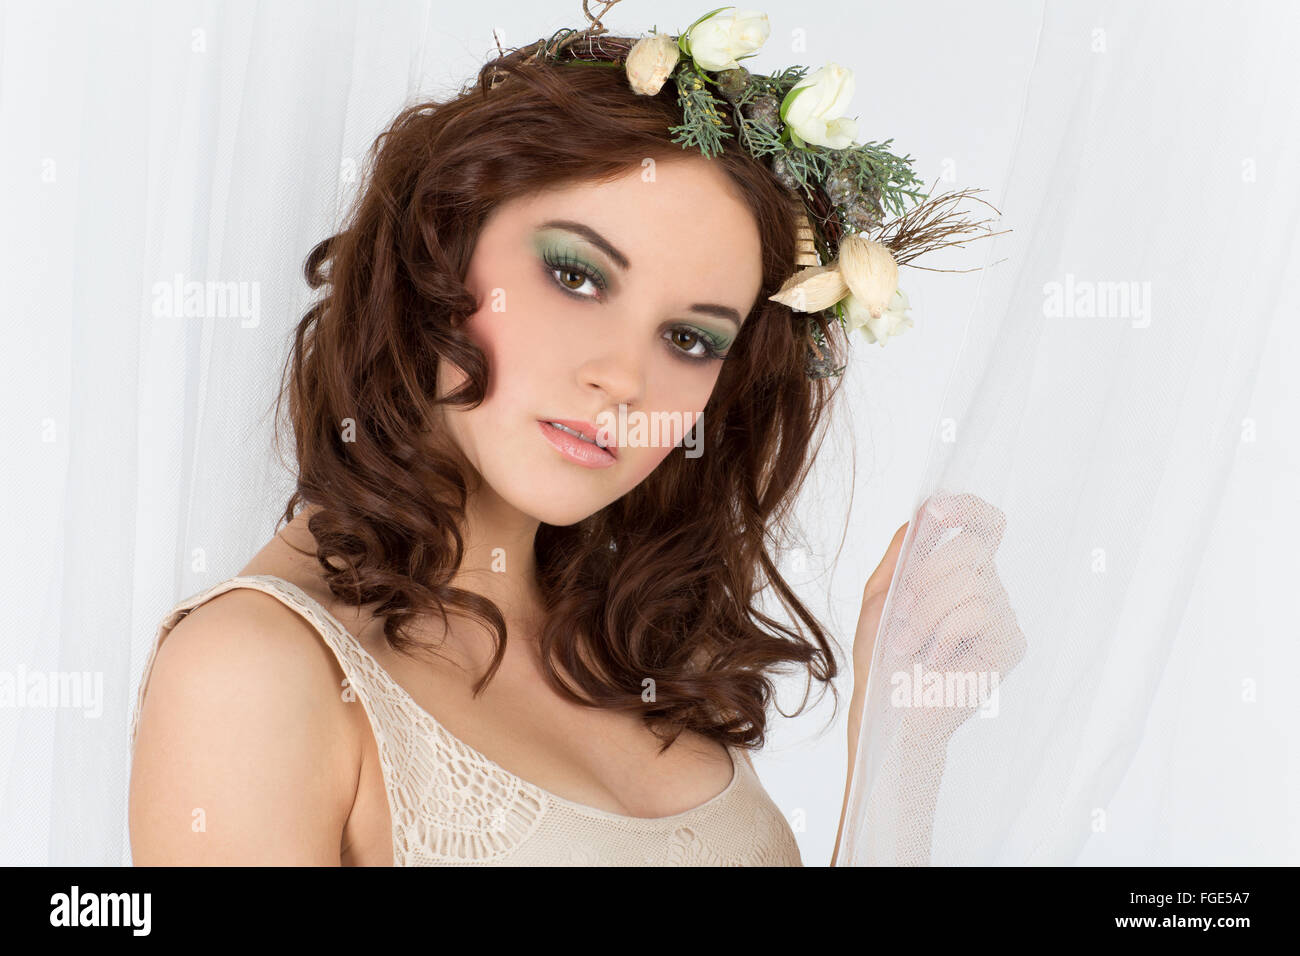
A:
x,y
572,276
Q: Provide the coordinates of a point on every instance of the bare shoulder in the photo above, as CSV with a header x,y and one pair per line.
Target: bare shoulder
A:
x,y
246,752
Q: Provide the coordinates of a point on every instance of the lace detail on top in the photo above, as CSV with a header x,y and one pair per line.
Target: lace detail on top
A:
x,y
450,804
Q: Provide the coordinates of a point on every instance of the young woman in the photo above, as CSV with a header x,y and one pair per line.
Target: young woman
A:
x,y
507,619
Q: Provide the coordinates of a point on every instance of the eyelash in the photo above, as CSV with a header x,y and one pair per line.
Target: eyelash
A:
x,y
557,262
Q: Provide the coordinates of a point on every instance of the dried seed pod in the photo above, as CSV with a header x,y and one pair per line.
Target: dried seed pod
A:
x,y
732,83
863,214
763,109
840,187
784,174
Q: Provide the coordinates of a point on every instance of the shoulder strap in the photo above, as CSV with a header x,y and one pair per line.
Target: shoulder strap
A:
x,y
364,676
447,802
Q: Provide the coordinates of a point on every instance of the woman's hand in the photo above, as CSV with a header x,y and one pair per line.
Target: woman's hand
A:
x,y
950,621
952,616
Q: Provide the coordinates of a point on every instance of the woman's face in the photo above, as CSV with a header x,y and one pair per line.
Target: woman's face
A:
x,y
596,296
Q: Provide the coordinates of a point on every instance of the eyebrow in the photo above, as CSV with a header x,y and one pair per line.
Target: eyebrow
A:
x,y
605,246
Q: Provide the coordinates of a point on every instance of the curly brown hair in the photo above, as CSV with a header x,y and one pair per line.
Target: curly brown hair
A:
x,y
654,585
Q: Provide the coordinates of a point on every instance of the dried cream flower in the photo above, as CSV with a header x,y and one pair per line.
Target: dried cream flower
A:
x,y
650,62
812,289
869,270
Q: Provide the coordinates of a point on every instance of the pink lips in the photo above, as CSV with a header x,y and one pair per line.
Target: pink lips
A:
x,y
575,449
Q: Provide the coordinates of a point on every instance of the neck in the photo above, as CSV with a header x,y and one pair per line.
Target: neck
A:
x,y
498,562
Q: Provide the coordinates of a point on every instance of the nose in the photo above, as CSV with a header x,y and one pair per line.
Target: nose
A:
x,y
617,372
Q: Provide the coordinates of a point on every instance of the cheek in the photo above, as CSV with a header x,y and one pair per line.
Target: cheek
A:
x,y
680,403
645,462
450,377
684,394
514,345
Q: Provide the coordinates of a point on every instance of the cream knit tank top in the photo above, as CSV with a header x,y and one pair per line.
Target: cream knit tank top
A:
x,y
450,805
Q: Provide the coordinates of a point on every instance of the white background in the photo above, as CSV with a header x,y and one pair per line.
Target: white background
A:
x,y
133,443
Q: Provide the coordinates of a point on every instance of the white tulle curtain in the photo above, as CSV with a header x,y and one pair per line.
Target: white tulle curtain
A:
x,y
146,147
217,142
1105,394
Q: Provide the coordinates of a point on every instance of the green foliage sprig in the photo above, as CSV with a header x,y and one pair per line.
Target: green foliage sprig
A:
x,y
703,125
872,168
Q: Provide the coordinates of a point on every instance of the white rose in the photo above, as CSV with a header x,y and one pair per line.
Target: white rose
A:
x,y
893,321
650,62
716,42
815,106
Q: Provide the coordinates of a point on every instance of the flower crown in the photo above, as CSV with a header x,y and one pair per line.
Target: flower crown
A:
x,y
856,229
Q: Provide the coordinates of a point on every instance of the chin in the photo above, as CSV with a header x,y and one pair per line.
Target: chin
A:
x,y
558,514
558,501
564,518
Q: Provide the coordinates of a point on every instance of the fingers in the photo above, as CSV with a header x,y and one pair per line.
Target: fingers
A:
x,y
974,515
962,619
981,634
958,629
971,510
957,557
952,615
954,546
951,607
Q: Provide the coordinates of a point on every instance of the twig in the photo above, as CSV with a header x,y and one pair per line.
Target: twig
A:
x,y
928,226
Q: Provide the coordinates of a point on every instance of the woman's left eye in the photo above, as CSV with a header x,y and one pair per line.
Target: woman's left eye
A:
x,y
699,349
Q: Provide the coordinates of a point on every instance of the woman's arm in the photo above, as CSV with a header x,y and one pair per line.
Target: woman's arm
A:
x,y
244,754
864,644
915,767
855,723
955,619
